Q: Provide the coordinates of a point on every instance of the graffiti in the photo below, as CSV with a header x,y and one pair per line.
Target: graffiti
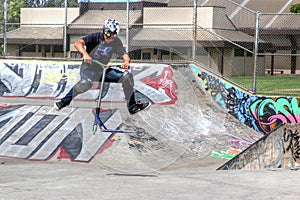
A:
x,y
263,114
270,113
40,133
274,150
291,143
237,144
49,78
265,153
38,80
31,79
227,155
233,100
215,87
14,78
37,133
241,143
155,82
164,82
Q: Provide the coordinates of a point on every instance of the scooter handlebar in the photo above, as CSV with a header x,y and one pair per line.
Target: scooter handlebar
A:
x,y
107,66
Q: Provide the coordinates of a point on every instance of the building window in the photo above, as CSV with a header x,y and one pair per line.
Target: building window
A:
x,y
146,56
161,51
46,48
249,54
239,52
165,52
58,48
28,48
135,55
260,51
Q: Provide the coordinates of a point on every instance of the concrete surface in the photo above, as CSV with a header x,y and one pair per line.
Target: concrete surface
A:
x,y
21,179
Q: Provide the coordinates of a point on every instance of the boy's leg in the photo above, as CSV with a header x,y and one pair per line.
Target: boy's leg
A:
x,y
80,87
87,74
127,84
126,78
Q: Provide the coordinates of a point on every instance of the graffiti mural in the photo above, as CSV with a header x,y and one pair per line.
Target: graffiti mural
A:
x,y
43,79
38,132
277,149
263,114
41,133
270,113
292,144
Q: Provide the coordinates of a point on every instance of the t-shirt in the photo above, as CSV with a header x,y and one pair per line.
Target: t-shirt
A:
x,y
99,50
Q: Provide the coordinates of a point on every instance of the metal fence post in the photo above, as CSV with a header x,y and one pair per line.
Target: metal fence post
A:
x,y
255,51
127,27
5,29
65,28
194,47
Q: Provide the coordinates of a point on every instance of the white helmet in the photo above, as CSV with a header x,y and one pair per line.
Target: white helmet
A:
x,y
111,26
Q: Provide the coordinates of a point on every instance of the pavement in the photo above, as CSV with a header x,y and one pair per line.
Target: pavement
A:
x,y
21,179
174,154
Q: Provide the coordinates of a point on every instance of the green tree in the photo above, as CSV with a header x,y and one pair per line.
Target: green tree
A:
x,y
295,8
14,10
51,3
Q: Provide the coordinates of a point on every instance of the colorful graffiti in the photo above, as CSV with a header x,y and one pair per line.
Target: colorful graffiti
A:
x,y
229,154
152,81
278,149
41,133
164,81
270,113
37,79
263,114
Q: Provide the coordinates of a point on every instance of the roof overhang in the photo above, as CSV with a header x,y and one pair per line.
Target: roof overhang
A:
x,y
91,21
151,37
35,35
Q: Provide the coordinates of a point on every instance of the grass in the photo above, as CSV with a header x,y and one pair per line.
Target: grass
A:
x,y
271,84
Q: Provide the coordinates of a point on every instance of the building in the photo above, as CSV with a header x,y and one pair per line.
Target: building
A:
x,y
40,33
277,26
161,31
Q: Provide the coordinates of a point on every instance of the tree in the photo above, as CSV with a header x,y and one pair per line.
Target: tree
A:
x,y
295,8
51,3
13,13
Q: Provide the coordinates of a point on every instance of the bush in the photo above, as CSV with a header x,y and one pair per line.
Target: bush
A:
x,y
295,8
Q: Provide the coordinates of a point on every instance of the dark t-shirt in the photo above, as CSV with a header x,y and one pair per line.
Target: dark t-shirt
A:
x,y
100,50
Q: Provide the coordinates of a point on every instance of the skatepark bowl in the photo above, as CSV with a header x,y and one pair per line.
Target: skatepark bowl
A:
x,y
198,127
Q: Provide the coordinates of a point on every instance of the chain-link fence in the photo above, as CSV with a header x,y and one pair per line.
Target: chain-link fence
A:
x,y
228,38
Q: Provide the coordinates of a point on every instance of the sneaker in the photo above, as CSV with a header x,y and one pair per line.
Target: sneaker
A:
x,y
59,105
138,106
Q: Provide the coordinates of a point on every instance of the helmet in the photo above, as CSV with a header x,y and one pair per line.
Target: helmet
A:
x,y
111,26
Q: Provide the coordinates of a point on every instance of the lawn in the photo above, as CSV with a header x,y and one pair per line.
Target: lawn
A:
x,y
271,84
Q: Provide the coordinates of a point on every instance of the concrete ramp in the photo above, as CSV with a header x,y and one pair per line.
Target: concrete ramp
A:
x,y
278,149
184,127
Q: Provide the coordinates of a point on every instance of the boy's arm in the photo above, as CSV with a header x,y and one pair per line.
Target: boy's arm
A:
x,y
79,45
126,61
